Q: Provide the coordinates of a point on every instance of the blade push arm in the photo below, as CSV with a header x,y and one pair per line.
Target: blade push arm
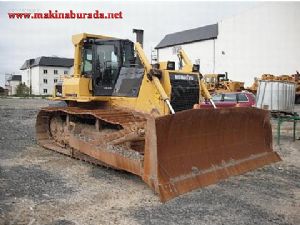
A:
x,y
153,76
205,93
188,65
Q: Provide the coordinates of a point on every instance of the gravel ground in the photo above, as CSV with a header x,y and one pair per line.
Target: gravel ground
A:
x,y
40,187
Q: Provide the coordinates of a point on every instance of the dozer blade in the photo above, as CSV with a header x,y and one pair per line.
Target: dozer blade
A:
x,y
195,148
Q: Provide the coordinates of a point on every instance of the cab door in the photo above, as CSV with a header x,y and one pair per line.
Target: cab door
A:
x,y
106,67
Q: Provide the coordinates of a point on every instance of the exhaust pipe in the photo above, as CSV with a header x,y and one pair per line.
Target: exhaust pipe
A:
x,y
139,36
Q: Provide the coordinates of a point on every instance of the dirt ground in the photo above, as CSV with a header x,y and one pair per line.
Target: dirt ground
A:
x,y
40,187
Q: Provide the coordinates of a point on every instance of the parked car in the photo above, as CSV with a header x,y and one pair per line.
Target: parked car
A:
x,y
231,99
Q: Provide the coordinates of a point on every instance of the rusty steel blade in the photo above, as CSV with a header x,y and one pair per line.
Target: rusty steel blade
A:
x,y
195,148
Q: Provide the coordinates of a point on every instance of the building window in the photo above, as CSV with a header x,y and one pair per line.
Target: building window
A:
x,y
65,72
55,80
45,91
45,71
45,81
55,72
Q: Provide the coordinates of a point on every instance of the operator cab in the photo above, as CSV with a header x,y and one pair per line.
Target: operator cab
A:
x,y
104,60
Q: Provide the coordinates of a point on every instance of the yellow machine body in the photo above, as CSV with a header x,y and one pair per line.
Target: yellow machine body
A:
x,y
78,88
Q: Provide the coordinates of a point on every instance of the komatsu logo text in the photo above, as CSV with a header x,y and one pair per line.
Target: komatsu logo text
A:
x,y
183,77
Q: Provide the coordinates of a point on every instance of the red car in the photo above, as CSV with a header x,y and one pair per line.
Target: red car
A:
x,y
231,99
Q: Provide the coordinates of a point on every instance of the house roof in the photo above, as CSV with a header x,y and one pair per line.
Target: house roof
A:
x,y
16,78
47,61
188,36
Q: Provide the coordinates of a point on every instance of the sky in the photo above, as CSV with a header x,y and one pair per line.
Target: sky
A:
x,y
25,39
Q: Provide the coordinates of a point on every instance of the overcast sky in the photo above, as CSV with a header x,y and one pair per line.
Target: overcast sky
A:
x,y
24,39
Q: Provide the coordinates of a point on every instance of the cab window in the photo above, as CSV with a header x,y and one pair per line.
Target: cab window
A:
x,y
128,56
87,61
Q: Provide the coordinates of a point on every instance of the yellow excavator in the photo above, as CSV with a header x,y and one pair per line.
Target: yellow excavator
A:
x,y
126,114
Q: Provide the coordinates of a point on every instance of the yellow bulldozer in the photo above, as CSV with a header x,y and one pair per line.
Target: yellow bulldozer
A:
x,y
126,114
216,83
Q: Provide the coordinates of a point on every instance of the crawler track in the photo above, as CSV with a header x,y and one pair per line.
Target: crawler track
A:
x,y
111,138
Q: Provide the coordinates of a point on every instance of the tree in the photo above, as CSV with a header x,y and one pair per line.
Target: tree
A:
x,y
22,90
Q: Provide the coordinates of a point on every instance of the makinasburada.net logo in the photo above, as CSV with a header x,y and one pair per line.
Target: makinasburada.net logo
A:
x,y
55,14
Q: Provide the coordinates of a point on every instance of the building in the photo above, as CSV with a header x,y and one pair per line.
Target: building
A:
x,y
42,73
12,81
3,91
262,40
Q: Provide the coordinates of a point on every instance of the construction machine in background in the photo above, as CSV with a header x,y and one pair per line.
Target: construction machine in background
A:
x,y
217,83
253,88
295,78
123,113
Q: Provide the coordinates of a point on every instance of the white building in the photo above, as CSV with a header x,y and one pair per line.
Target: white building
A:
x,y
41,74
12,82
265,39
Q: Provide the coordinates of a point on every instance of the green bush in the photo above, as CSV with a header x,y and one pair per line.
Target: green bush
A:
x,y
22,90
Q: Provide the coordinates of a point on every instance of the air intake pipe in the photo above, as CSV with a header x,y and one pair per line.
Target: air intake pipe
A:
x,y
139,36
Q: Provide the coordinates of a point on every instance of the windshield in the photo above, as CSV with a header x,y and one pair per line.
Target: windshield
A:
x,y
229,97
107,56
107,63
